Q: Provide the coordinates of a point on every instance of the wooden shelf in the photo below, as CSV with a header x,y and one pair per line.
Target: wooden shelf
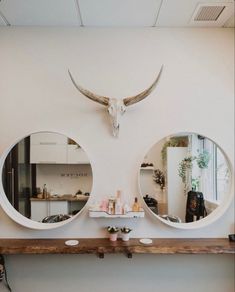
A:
x,y
101,246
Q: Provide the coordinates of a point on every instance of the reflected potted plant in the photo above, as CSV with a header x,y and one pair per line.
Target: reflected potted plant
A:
x,y
113,231
203,159
185,165
125,233
159,178
195,184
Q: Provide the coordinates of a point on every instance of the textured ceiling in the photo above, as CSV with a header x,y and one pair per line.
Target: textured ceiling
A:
x,y
110,13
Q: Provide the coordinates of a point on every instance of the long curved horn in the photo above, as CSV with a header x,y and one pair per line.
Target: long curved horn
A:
x,y
134,99
98,98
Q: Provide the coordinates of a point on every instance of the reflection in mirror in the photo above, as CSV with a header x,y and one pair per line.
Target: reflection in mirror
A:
x,y
184,178
47,177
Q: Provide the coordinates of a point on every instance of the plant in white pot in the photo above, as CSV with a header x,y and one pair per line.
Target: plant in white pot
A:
x,y
113,231
125,233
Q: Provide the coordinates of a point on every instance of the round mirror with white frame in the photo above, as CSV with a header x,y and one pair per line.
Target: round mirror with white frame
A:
x,y
185,180
46,180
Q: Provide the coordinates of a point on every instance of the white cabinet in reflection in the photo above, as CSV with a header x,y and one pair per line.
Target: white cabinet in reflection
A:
x,y
48,139
58,207
43,208
48,148
39,210
76,155
48,154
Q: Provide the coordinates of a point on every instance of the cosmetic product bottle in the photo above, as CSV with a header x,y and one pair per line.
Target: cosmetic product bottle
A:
x,y
136,206
44,191
126,208
118,205
103,206
110,206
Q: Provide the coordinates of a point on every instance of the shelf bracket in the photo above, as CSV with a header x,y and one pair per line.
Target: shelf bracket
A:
x,y
129,254
101,255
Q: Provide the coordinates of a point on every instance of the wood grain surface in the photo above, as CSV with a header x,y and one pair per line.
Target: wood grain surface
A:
x,y
102,246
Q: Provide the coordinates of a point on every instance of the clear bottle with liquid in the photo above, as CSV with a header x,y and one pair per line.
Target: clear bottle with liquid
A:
x,y
118,205
136,206
44,191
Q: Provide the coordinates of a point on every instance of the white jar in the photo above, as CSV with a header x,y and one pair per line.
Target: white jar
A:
x,y
125,236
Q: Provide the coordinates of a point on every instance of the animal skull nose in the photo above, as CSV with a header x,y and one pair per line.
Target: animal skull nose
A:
x,y
116,131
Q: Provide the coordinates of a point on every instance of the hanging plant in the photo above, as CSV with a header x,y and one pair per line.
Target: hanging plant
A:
x,y
159,178
185,164
203,159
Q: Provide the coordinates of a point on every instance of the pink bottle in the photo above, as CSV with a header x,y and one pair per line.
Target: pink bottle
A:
x,y
104,205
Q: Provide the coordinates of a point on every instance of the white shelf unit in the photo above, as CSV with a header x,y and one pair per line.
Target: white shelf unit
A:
x,y
103,214
52,148
147,168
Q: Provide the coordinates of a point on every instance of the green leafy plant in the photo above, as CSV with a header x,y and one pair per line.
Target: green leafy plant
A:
x,y
185,164
112,229
203,159
126,230
159,178
195,183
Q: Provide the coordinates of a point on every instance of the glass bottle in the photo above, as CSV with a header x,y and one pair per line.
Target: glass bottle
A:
x,y
136,206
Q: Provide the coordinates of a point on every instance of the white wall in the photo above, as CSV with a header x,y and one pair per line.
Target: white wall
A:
x,y
195,94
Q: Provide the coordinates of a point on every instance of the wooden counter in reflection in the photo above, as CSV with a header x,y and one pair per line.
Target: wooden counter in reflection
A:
x,y
63,198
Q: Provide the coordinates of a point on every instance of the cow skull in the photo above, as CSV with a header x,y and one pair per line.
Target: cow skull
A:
x,y
116,107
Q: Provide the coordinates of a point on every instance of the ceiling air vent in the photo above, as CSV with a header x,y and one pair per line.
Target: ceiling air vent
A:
x,y
208,14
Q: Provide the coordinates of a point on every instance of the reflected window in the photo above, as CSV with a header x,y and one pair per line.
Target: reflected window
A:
x,y
218,173
212,179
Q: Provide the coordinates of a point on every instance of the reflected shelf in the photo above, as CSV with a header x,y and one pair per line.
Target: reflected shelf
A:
x,y
147,168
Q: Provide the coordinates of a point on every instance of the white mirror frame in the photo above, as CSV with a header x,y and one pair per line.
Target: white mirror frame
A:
x,y
13,213
215,215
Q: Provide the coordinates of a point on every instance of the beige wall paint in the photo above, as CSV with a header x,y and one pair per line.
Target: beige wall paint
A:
x,y
195,94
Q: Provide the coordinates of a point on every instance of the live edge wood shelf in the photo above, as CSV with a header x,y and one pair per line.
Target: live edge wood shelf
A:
x,y
101,246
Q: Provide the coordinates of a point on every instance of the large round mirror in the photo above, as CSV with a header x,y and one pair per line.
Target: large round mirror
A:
x,y
47,178
184,178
